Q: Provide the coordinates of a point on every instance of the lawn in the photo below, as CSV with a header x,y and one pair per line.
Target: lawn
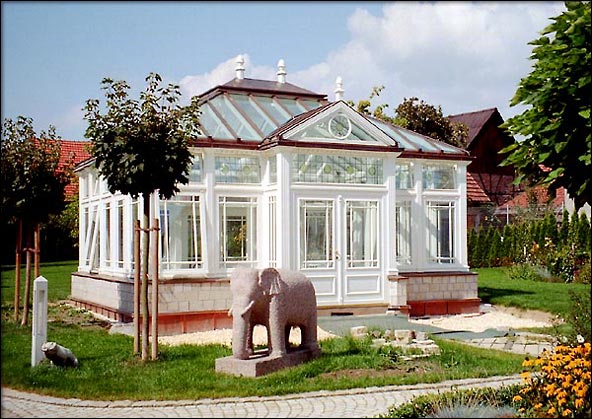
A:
x,y
109,371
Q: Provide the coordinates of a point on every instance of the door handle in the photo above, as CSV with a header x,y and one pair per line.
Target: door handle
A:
x,y
337,256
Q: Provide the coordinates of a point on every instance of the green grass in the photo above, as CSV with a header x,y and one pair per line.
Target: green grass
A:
x,y
497,288
56,273
109,371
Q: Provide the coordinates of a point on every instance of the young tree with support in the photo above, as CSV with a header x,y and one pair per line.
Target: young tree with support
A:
x,y
33,186
142,147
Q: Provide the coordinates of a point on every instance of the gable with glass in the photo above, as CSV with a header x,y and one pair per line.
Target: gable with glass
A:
x,y
373,214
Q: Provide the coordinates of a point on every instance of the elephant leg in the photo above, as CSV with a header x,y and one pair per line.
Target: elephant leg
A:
x,y
287,331
309,337
250,347
278,338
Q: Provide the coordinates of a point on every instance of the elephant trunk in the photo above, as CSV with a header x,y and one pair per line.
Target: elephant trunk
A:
x,y
242,333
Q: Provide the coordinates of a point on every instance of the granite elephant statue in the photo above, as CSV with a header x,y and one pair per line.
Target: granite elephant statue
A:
x,y
277,299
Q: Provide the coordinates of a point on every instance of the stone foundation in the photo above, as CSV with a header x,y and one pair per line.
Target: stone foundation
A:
x,y
260,363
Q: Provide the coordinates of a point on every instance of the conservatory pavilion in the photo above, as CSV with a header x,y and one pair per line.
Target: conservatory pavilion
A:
x,y
373,214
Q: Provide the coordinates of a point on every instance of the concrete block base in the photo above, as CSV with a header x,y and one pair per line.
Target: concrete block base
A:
x,y
261,363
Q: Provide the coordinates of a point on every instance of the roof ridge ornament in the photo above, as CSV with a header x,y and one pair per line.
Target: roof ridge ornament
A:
x,y
281,73
240,67
338,89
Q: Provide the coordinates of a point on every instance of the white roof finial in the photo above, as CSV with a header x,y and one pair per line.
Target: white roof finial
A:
x,y
281,73
339,89
240,67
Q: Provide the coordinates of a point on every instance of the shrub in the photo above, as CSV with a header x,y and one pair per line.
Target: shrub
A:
x,y
557,384
470,403
530,272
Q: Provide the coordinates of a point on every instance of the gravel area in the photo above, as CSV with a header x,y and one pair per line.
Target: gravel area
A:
x,y
490,317
224,337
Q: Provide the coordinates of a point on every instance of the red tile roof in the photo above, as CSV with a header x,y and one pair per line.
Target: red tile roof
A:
x,y
475,194
76,152
542,196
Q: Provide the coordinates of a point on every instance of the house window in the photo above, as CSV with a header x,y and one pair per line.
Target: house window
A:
x,y
316,234
273,169
272,232
120,237
195,172
315,168
237,170
441,231
438,176
403,232
238,226
404,176
362,234
180,225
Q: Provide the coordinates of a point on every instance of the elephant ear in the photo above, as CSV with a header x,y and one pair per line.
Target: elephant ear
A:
x,y
269,280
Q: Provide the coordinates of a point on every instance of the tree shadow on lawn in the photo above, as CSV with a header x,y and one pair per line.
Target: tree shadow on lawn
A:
x,y
487,293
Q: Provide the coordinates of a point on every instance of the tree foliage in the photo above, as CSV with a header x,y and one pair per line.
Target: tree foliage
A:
x,y
33,184
556,150
417,116
426,119
142,146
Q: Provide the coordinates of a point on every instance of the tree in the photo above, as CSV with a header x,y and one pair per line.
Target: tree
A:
x,y
33,185
419,117
556,149
426,119
141,147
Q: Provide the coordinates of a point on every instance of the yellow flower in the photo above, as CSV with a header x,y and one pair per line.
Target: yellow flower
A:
x,y
517,399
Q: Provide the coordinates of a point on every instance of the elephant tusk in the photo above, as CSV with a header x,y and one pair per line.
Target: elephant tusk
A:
x,y
230,312
246,310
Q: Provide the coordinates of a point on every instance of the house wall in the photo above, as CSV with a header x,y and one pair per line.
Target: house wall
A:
x,y
198,298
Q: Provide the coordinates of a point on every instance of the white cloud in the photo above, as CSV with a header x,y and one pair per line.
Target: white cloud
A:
x,y
460,55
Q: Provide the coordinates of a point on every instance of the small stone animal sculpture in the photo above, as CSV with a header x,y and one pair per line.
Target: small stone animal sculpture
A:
x,y
277,299
59,355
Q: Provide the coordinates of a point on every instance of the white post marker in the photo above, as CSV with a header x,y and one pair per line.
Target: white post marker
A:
x,y
39,319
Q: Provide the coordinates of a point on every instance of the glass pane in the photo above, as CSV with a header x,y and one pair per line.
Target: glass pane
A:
x,y
237,170
212,124
310,104
196,169
181,233
316,234
316,168
237,230
271,107
404,176
292,106
439,177
441,231
272,232
362,232
258,117
403,236
234,119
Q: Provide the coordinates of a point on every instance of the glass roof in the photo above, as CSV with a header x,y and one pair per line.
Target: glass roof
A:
x,y
413,141
253,116
249,117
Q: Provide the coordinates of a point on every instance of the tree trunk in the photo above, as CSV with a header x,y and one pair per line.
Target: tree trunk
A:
x,y
27,296
144,291
154,272
137,269
17,272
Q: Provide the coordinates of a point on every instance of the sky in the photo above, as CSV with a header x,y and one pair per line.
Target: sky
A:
x,y
460,56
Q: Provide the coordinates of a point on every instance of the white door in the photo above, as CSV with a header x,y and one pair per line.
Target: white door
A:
x,y
339,249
